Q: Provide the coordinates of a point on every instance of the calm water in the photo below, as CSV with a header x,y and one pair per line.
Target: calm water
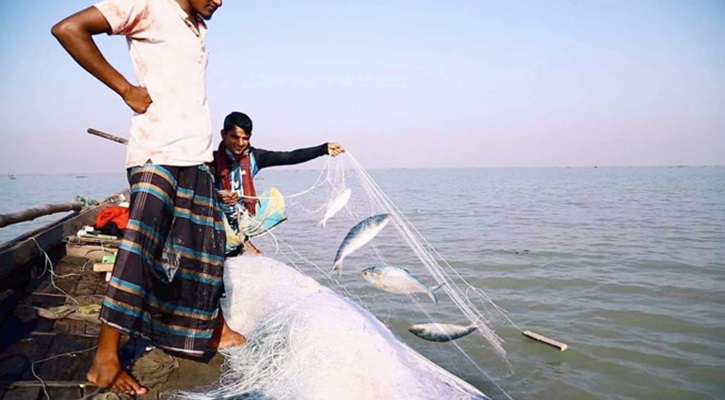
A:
x,y
28,191
625,265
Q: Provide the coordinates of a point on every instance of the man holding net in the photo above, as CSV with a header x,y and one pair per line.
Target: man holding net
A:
x,y
236,163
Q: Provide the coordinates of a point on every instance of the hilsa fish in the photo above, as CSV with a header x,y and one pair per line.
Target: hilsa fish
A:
x,y
357,237
335,205
397,280
438,332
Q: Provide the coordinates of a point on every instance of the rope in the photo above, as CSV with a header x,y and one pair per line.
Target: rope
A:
x,y
48,266
42,382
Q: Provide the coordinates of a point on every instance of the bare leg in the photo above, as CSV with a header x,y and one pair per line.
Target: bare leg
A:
x,y
106,369
224,336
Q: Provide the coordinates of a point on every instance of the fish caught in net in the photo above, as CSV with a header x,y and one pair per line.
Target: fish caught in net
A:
x,y
316,329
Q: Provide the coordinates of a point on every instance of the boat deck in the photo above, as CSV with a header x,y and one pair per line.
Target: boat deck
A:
x,y
43,358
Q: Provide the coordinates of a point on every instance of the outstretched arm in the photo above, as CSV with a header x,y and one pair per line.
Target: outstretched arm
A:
x,y
266,158
75,34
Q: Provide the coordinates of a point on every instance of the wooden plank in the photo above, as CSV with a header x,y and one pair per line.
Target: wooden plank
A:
x,y
94,241
63,268
61,326
16,360
102,286
77,327
88,283
66,367
73,392
541,338
44,325
22,393
99,267
93,253
49,384
45,300
67,284
90,391
67,280
38,333
93,329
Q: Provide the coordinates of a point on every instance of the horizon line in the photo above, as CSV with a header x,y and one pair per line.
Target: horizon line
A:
x,y
81,174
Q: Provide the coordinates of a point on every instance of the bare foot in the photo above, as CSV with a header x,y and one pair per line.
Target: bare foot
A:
x,y
230,338
127,384
224,336
107,373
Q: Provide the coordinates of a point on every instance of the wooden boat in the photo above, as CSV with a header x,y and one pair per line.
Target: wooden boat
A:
x,y
43,358
25,283
16,268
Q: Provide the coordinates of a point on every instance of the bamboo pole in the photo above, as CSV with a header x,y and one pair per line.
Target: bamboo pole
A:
x,y
108,136
33,213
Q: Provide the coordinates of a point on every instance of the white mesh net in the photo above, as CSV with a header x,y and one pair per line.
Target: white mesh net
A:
x,y
342,340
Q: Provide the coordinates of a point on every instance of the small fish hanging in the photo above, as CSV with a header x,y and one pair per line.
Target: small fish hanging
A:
x,y
335,205
357,237
397,280
438,332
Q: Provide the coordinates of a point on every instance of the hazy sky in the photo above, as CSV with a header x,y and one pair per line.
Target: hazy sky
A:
x,y
403,83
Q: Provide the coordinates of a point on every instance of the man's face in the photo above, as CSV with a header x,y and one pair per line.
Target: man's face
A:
x,y
205,8
236,140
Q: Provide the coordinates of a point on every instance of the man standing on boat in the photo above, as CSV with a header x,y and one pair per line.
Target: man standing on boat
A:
x,y
167,279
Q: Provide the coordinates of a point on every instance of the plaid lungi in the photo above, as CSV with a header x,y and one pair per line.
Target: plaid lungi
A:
x,y
167,279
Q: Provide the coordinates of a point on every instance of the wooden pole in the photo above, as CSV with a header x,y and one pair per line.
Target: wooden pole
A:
x,y
54,384
543,339
33,213
107,136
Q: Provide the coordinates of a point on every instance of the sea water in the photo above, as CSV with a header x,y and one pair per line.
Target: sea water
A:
x,y
625,265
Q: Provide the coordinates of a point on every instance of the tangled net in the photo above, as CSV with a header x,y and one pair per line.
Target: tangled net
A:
x,y
308,341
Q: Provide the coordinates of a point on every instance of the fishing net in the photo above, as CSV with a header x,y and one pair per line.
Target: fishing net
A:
x,y
314,335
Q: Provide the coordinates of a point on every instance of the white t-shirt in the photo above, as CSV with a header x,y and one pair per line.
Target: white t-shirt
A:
x,y
169,58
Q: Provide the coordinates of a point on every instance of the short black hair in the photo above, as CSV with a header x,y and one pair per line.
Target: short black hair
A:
x,y
240,120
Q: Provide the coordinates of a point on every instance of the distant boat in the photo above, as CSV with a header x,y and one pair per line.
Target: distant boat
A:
x,y
80,176
11,177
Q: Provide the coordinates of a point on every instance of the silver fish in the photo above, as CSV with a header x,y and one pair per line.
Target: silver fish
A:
x,y
357,237
335,205
397,280
436,332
